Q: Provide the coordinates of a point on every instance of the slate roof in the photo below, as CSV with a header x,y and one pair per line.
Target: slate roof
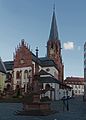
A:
x,y
2,67
35,59
9,65
53,31
74,79
48,80
43,61
44,58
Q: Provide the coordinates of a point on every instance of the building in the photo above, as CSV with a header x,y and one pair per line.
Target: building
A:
x,y
76,83
2,75
25,64
85,71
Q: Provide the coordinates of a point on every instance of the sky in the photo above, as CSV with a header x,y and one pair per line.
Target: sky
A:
x,y
31,20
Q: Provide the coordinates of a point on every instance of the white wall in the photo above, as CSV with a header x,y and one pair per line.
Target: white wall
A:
x,y
47,94
56,87
78,89
34,66
2,81
52,70
56,91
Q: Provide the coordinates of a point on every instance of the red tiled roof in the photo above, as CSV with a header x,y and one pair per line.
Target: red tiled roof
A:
x,y
73,80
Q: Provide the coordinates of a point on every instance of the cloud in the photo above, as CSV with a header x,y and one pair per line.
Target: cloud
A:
x,y
68,45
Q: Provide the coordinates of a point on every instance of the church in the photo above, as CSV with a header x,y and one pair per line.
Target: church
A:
x,y
20,72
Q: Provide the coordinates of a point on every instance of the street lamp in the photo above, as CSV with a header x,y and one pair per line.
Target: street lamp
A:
x,y
67,100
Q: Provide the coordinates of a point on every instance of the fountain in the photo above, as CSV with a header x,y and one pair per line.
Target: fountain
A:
x,y
32,104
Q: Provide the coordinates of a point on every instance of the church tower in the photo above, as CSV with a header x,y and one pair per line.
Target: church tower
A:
x,y
54,46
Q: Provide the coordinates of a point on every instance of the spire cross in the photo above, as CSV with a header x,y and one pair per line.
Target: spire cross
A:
x,y
54,7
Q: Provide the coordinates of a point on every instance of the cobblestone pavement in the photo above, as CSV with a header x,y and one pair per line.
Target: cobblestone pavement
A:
x,y
77,111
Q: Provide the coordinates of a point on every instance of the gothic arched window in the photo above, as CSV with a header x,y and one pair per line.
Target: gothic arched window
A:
x,y
25,74
47,87
17,75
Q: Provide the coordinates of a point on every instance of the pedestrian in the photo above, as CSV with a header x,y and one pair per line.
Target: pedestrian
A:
x,y
67,104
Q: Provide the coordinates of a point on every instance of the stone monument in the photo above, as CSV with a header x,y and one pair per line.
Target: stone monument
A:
x,y
32,104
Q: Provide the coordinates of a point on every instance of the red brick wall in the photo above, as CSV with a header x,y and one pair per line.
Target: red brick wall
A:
x,y
22,54
56,56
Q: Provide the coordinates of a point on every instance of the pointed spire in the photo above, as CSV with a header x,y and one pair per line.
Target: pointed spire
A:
x,y
54,7
53,31
22,42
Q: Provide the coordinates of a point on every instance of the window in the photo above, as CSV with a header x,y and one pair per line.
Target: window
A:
x,y
47,69
75,86
75,91
17,75
79,86
79,91
22,61
25,74
47,87
82,86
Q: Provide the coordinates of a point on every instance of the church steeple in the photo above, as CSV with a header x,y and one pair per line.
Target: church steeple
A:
x,y
53,44
54,47
53,31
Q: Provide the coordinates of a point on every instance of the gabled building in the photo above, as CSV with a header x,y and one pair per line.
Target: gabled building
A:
x,y
26,64
77,84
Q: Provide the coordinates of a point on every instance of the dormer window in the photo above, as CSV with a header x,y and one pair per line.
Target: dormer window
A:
x,y
47,69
